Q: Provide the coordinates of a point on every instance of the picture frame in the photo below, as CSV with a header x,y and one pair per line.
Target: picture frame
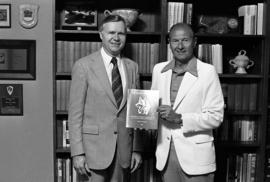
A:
x,y
17,59
79,18
11,99
5,15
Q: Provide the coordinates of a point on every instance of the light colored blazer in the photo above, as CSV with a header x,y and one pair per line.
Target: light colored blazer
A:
x,y
96,125
200,101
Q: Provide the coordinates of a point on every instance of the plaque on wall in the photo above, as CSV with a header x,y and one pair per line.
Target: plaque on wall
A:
x,y
142,109
11,99
17,59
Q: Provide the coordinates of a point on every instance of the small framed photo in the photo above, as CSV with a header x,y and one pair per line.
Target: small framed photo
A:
x,y
79,18
5,15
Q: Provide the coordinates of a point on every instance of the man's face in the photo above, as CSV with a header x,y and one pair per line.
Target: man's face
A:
x,y
113,36
182,44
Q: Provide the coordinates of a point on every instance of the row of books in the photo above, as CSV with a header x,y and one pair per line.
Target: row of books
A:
x,y
70,51
244,130
67,173
209,53
145,54
253,16
241,168
212,54
63,140
62,134
237,129
63,90
240,96
267,165
179,12
62,94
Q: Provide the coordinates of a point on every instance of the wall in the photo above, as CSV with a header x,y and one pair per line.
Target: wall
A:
x,y
26,141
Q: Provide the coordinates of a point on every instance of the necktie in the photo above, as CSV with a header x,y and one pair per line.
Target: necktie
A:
x,y
116,82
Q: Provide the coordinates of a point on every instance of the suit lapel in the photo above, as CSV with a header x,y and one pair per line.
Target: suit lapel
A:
x,y
100,71
185,86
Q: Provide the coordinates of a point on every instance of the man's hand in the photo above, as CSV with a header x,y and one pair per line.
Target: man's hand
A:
x,y
136,161
80,165
167,113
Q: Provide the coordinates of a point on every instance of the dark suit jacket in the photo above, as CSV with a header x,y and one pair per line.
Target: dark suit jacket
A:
x,y
96,125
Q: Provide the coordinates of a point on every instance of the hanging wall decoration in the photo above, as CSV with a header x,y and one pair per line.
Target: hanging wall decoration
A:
x,y
28,15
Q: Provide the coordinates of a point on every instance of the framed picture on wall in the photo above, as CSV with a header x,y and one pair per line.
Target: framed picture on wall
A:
x,y
17,59
5,15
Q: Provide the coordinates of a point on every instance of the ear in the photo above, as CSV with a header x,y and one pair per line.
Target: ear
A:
x,y
195,42
101,35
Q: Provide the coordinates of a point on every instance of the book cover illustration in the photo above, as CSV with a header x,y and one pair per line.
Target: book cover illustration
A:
x,y
142,109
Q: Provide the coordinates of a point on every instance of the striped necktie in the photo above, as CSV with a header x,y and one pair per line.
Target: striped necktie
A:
x,y
116,82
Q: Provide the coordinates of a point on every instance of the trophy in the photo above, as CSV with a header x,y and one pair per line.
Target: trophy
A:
x,y
241,62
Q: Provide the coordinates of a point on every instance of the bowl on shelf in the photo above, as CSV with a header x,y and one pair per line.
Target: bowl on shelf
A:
x,y
130,15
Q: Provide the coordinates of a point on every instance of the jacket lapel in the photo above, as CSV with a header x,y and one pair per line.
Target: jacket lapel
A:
x,y
101,74
185,86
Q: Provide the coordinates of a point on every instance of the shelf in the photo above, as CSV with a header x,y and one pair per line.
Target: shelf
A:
x,y
63,150
248,113
227,144
61,113
229,36
241,76
84,35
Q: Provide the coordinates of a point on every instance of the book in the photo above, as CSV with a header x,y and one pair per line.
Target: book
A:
x,y
142,109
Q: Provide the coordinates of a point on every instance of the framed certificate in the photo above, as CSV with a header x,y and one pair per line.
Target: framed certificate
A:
x,y
17,59
142,109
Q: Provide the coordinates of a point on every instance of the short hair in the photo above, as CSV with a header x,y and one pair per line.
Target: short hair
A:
x,y
181,25
111,18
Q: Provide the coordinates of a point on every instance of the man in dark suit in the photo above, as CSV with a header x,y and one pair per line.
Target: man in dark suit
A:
x,y
101,145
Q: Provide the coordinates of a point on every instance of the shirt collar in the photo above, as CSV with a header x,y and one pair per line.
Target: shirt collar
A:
x,y
191,67
107,58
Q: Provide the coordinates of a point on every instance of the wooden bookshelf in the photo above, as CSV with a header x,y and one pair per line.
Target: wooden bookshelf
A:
x,y
156,32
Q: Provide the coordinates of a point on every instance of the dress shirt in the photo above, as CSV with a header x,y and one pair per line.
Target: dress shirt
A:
x,y
178,74
109,66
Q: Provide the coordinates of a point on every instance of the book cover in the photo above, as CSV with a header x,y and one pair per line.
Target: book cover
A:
x,y
142,109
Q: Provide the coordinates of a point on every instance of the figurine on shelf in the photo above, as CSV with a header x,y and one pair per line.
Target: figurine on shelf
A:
x,y
241,62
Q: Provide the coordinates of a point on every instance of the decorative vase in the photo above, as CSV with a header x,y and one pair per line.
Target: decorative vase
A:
x,y
130,15
241,62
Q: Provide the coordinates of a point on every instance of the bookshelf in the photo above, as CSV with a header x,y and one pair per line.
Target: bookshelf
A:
x,y
241,140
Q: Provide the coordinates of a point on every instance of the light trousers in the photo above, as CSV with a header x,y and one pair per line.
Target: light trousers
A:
x,y
114,173
174,173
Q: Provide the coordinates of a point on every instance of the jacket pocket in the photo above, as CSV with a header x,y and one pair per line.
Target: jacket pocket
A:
x,y
202,139
91,129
